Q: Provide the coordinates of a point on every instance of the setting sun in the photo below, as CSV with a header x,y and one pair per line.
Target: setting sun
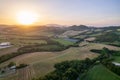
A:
x,y
26,18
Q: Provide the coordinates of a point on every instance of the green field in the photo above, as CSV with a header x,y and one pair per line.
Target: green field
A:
x,y
117,58
118,29
80,36
99,72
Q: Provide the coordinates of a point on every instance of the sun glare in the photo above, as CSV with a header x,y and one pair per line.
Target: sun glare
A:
x,y
26,18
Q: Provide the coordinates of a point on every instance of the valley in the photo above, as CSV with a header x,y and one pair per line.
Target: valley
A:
x,y
43,48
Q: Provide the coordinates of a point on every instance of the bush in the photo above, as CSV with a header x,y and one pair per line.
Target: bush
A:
x,y
11,64
22,66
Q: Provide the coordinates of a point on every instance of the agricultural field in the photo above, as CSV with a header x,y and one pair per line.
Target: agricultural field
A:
x,y
64,42
40,33
22,40
17,42
100,72
59,40
94,35
42,62
8,50
80,36
71,33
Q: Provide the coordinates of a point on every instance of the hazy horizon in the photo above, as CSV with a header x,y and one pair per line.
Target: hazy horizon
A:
x,y
63,12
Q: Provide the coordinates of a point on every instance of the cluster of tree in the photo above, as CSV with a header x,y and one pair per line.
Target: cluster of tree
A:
x,y
6,57
106,51
108,37
29,49
21,66
11,64
114,68
106,59
114,44
69,70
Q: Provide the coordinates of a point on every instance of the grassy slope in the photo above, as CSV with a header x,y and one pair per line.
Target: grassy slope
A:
x,y
99,72
117,58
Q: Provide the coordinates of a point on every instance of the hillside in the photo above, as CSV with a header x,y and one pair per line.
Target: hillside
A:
x,y
42,47
42,62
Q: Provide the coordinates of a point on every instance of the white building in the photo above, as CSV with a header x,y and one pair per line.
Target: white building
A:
x,y
117,64
5,44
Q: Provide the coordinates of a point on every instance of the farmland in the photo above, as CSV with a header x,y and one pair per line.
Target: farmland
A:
x,y
64,42
45,48
59,39
42,62
21,41
8,50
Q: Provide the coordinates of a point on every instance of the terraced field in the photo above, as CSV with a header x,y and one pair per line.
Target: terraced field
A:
x,y
99,72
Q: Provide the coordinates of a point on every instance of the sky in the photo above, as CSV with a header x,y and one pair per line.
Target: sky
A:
x,y
64,12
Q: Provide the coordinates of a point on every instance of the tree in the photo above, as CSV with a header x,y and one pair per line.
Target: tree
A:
x,y
22,65
70,74
2,71
11,64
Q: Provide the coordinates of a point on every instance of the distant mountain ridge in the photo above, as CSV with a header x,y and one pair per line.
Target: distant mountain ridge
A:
x,y
77,28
